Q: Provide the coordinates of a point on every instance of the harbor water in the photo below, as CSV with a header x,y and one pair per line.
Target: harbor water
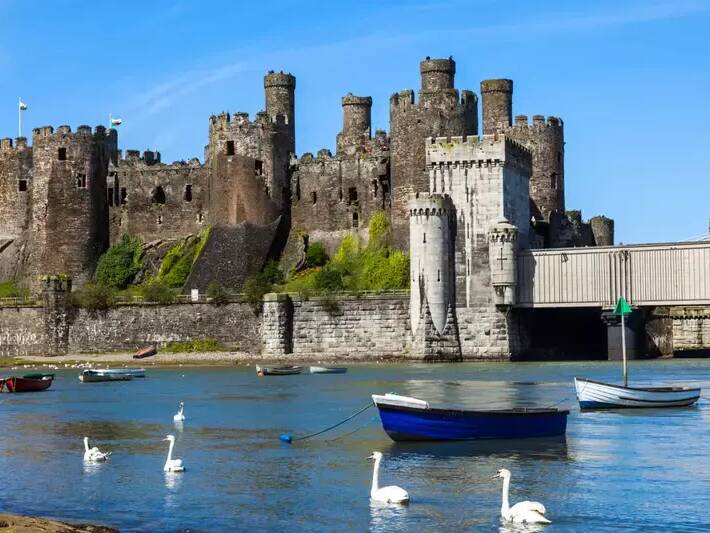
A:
x,y
643,470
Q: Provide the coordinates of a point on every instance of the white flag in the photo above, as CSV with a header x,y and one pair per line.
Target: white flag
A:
x,y
23,106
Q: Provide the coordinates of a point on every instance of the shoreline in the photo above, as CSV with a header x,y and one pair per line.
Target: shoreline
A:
x,y
28,524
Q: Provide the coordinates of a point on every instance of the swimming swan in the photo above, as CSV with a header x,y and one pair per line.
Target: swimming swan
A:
x,y
523,512
391,494
93,455
172,465
180,416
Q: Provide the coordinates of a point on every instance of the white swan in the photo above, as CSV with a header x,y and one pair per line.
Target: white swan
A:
x,y
172,465
523,512
180,416
391,494
93,455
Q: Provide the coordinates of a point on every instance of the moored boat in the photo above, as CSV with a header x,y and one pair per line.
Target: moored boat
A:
x,y
145,352
91,376
133,372
411,419
597,395
27,383
278,370
327,370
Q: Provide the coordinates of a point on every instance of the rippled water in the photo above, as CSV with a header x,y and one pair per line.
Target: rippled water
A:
x,y
615,471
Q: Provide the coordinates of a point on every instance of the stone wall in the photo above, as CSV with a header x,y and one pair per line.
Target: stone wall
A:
x,y
691,329
22,331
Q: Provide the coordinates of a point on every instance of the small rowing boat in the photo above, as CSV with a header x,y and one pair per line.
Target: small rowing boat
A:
x,y
145,352
598,395
278,370
327,370
27,383
411,419
91,376
133,372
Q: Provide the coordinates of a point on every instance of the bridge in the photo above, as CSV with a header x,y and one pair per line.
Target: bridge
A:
x,y
676,274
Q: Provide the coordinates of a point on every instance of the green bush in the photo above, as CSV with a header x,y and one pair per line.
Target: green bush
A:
x,y
217,293
177,263
118,266
379,231
256,286
206,344
315,255
93,297
9,289
156,292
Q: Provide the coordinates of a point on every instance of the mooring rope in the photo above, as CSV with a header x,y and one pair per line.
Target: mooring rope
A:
x,y
286,437
361,426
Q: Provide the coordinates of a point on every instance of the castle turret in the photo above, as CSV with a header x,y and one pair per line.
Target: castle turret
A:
x,y
279,88
437,75
497,104
357,124
15,186
432,234
502,248
602,230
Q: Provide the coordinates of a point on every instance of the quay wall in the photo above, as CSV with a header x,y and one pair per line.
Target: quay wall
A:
x,y
22,331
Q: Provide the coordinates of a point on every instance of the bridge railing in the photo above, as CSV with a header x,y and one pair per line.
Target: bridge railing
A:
x,y
650,275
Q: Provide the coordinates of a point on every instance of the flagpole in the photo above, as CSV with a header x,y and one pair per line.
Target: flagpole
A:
x,y
19,116
623,348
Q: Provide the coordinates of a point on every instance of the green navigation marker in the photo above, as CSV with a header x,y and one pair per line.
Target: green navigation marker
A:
x,y
622,307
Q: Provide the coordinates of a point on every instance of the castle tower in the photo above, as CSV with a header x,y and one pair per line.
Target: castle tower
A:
x,y
439,112
357,124
545,140
69,221
602,230
15,185
497,105
502,248
279,89
432,225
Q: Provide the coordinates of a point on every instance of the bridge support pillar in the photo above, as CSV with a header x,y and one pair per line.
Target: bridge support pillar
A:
x,y
635,335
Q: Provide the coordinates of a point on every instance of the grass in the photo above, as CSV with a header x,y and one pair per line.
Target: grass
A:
x,y
9,289
206,344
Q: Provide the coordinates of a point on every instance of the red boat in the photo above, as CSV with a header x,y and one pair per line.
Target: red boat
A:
x,y
26,384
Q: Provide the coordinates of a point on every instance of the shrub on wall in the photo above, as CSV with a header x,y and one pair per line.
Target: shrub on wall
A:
x,y
256,286
157,292
217,293
315,255
118,266
9,289
177,263
93,297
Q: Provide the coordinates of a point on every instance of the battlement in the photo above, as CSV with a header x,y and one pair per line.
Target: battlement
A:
x,y
458,148
351,99
434,204
279,79
498,85
538,122
45,133
8,145
240,120
149,157
437,74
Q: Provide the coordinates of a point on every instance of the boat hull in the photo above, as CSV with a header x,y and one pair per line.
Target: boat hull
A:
x,y
327,370
598,395
16,384
133,372
278,371
404,423
98,378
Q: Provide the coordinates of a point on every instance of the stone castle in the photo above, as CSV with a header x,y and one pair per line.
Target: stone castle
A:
x,y
459,197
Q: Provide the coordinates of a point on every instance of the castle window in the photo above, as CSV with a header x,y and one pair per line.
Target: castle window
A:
x,y
22,185
81,181
559,157
352,195
424,238
298,188
199,218
553,181
158,195
187,196
314,197
258,167
374,188
230,147
160,219
124,196
62,154
356,220
109,196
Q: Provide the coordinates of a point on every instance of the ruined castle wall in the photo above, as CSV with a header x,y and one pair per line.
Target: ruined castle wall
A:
x,y
22,331
440,111
15,184
69,216
154,201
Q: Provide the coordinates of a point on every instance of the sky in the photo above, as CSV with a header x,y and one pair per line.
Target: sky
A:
x,y
630,79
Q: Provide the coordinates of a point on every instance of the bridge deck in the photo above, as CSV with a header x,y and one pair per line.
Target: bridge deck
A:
x,y
647,275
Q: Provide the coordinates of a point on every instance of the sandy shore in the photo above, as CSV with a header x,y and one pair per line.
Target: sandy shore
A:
x,y
27,524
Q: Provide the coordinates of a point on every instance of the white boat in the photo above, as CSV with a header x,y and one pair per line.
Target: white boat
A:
x,y
597,395
92,376
327,370
133,372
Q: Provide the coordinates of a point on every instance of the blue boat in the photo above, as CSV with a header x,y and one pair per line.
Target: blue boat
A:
x,y
410,419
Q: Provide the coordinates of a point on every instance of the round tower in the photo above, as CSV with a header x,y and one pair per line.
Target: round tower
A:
x,y
502,247
437,74
602,230
279,89
497,97
357,114
431,223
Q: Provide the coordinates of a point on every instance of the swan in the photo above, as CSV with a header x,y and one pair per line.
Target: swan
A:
x,y
523,512
172,465
93,455
391,494
180,416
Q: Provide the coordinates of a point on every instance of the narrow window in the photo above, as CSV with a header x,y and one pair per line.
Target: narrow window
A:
x,y
314,197
553,181
110,196
438,275
298,188
266,190
230,147
62,154
187,196
81,181
158,195
374,188
199,217
425,238
124,195
258,167
160,219
352,195
22,185
356,220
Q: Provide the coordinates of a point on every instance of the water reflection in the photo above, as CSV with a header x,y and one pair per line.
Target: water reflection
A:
x,y
179,425
91,468
546,448
387,517
509,527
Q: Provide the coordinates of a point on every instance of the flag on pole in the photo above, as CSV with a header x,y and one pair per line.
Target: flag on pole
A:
x,y
23,106
114,121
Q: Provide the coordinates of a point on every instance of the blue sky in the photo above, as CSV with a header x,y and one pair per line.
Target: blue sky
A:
x,y
630,79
